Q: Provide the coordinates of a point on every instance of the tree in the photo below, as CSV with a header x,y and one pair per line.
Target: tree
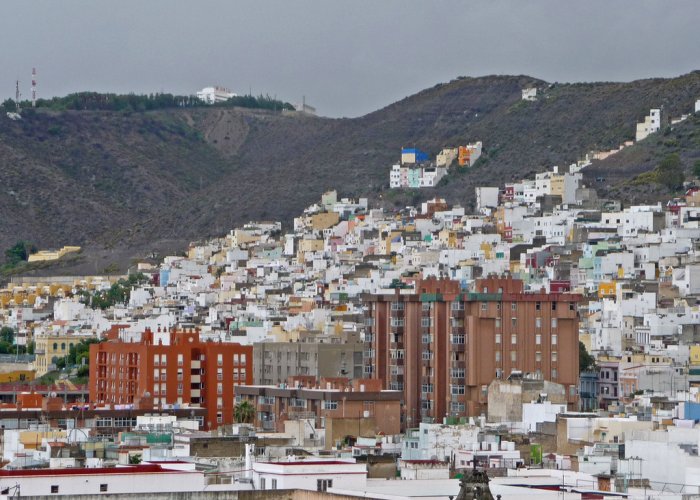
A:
x,y
19,252
243,412
670,172
585,360
696,169
9,105
7,335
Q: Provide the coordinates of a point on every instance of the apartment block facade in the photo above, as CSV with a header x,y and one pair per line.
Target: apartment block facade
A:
x,y
174,368
313,355
443,346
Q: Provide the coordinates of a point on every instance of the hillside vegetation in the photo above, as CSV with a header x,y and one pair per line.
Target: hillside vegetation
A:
x,y
121,179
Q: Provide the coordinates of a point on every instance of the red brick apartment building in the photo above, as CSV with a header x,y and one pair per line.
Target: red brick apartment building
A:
x,y
172,368
443,346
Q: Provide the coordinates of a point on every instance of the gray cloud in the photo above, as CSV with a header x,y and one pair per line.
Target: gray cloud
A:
x,y
348,58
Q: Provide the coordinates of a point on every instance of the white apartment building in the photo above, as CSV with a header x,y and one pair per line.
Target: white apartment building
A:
x,y
651,124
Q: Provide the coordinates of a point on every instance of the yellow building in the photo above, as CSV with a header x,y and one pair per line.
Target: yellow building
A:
x,y
695,355
324,220
606,289
46,255
556,185
50,348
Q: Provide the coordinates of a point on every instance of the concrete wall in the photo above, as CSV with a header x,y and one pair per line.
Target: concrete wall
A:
x,y
207,495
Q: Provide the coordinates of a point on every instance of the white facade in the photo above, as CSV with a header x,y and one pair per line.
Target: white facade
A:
x,y
312,475
149,478
651,124
529,94
212,95
486,197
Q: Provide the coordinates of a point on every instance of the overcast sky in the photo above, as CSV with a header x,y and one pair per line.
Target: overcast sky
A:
x,y
347,57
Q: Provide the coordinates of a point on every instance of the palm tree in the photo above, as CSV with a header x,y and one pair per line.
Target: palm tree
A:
x,y
243,413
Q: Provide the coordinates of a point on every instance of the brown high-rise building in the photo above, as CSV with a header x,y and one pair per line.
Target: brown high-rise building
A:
x,y
443,346
173,368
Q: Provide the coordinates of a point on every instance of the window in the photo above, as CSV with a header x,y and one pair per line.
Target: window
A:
x,y
498,322
262,483
274,484
457,372
514,338
554,373
572,306
426,388
484,306
425,306
538,339
396,306
103,487
424,322
538,322
554,306
426,338
554,356
498,356
243,359
498,338
219,359
513,356
330,405
554,321
455,407
427,355
514,306
323,484
54,488
426,404
513,322
538,356
457,390
458,339
554,339
538,306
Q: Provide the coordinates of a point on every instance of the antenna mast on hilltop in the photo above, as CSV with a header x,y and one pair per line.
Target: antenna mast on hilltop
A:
x,y
17,95
33,87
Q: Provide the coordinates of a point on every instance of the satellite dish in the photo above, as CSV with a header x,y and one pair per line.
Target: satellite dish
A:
x,y
53,394
146,394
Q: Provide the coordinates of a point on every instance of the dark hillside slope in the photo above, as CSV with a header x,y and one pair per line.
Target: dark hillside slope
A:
x,y
123,180
618,176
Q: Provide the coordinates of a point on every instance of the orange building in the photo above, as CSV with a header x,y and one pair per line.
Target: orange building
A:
x,y
443,346
174,368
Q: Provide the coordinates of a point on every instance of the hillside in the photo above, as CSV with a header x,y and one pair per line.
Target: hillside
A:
x,y
124,180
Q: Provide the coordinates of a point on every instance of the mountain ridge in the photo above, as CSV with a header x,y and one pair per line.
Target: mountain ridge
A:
x,y
126,180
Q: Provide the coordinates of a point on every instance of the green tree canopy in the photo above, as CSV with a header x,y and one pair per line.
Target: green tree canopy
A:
x,y
243,413
7,334
585,360
696,169
670,172
19,252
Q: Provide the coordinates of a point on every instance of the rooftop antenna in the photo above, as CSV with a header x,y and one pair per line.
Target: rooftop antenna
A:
x,y
33,87
17,95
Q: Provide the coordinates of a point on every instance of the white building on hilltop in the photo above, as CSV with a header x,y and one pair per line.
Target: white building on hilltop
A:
x,y
212,95
651,124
